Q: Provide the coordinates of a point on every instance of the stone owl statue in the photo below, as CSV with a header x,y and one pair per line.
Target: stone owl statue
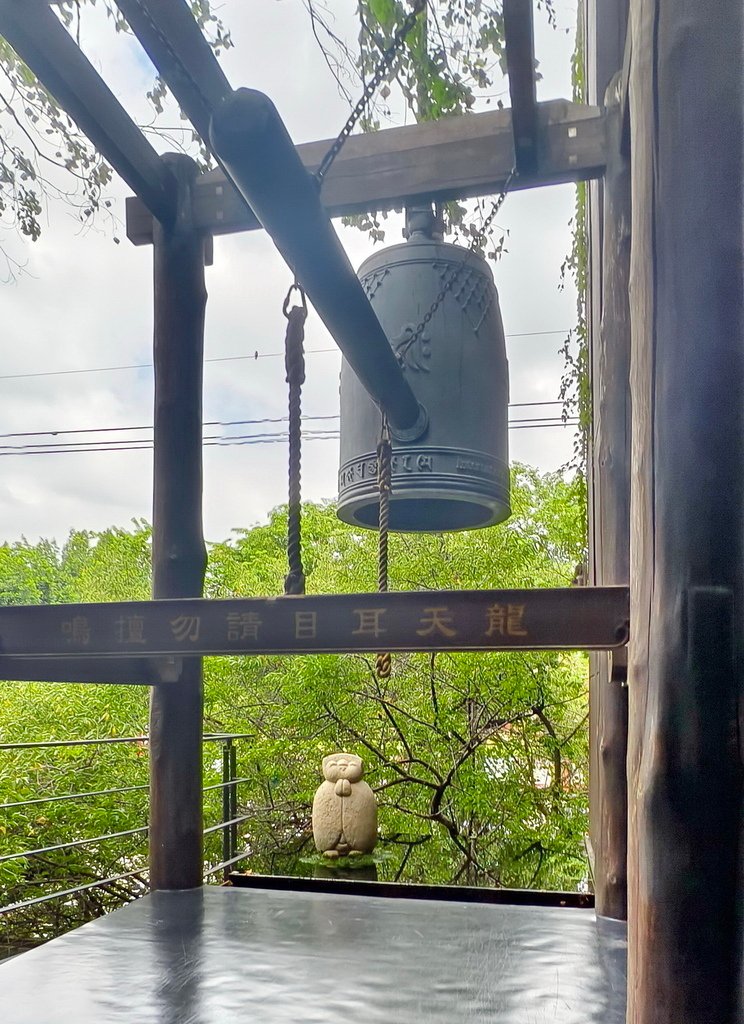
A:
x,y
344,809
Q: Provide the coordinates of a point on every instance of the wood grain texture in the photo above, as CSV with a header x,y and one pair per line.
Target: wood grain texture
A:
x,y
687,387
609,463
179,554
127,671
519,40
570,618
455,158
610,361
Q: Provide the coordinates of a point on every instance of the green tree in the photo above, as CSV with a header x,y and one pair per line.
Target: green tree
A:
x,y
113,565
479,760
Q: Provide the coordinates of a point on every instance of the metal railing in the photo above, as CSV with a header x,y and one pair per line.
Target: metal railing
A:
x,y
135,863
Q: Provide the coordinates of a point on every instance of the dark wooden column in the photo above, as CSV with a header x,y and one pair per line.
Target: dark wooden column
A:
x,y
608,221
179,555
611,441
687,508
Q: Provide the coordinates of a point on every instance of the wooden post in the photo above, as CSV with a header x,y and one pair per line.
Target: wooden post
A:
x,y
178,551
608,221
687,388
611,523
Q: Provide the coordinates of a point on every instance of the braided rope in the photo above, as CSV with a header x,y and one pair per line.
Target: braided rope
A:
x,y
294,582
383,661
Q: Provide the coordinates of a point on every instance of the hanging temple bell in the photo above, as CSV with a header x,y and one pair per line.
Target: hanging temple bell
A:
x,y
455,474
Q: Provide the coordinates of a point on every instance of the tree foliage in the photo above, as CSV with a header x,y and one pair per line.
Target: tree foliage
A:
x,y
479,760
43,156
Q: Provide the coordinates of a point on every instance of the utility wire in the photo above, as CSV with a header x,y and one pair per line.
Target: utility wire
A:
x,y
540,420
213,359
212,423
142,444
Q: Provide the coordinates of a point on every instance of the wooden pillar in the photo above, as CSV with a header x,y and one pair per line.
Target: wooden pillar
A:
x,y
178,551
611,522
687,507
608,222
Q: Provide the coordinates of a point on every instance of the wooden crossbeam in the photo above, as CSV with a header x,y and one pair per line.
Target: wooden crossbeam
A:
x,y
42,42
176,45
457,157
126,671
578,618
519,40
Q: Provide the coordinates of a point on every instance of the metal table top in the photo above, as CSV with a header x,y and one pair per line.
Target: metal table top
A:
x,y
222,955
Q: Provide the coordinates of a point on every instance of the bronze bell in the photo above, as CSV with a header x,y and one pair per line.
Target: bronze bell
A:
x,y
454,474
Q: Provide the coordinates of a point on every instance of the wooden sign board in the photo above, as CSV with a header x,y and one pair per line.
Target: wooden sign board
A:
x,y
580,618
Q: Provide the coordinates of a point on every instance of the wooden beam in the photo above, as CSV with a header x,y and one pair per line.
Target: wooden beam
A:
x,y
126,671
455,158
519,40
686,673
606,37
176,45
575,618
609,454
42,42
179,556
250,138
611,439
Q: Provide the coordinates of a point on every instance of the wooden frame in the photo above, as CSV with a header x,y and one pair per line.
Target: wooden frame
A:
x,y
666,321
460,157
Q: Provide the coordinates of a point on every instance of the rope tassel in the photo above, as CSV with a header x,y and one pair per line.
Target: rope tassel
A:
x,y
383,661
294,582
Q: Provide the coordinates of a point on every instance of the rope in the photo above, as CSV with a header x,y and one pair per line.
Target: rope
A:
x,y
294,582
383,661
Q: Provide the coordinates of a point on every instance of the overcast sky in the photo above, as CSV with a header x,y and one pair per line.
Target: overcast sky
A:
x,y
84,302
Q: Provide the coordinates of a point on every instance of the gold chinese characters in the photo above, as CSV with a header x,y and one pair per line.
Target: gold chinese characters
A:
x,y
457,625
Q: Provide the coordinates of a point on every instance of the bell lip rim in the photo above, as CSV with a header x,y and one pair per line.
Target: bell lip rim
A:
x,y
499,507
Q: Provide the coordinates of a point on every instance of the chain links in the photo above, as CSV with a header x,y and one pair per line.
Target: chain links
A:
x,y
370,88
451,279
163,39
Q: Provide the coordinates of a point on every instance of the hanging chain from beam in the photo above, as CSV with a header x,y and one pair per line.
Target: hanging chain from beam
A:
x,y
451,279
294,582
370,88
383,661
179,65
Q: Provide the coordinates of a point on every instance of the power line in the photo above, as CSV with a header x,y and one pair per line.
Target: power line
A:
x,y
146,426
211,423
214,359
143,444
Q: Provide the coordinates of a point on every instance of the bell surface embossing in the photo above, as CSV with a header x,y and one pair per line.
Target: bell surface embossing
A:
x,y
455,475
